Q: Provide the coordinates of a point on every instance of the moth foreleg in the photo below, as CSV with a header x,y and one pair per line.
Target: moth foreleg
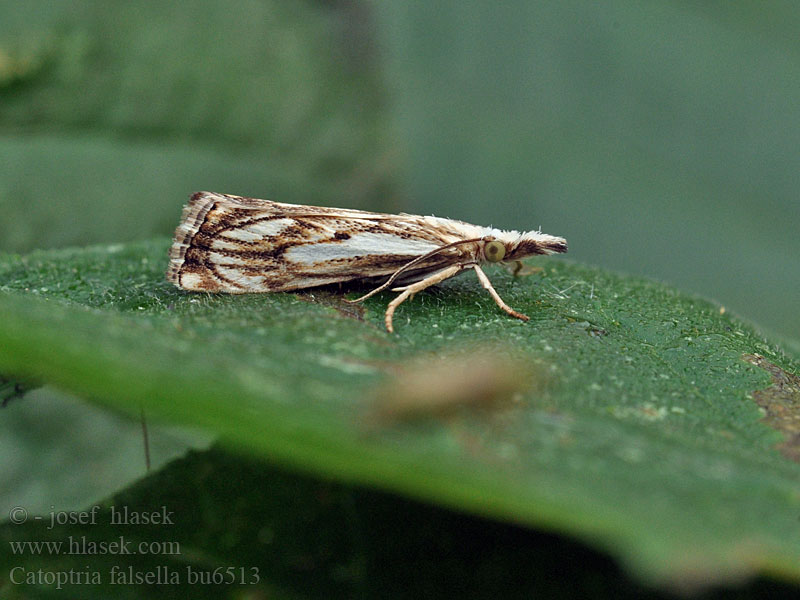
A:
x,y
488,287
413,288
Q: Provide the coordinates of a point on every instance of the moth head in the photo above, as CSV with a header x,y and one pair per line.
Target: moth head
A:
x,y
512,245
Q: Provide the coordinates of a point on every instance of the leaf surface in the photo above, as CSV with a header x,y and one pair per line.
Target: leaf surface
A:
x,y
640,433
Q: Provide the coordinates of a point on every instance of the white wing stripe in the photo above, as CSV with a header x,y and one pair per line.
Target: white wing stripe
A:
x,y
360,244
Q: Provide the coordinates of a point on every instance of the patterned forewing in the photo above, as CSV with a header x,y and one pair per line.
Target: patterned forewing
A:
x,y
238,245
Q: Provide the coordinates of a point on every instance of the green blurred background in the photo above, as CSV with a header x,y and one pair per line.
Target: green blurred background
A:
x,y
660,138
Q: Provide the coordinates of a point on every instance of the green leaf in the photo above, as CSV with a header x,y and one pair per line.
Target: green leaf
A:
x,y
62,452
107,110
208,507
270,533
639,433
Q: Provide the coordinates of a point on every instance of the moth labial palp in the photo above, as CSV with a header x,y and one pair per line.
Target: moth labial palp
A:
x,y
239,245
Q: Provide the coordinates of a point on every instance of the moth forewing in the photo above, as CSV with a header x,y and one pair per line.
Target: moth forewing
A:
x,y
239,245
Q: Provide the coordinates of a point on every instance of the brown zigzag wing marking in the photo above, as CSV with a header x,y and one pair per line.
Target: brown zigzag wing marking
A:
x,y
207,236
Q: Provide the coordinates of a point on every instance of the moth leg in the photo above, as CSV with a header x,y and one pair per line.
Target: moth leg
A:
x,y
410,264
519,269
412,289
488,287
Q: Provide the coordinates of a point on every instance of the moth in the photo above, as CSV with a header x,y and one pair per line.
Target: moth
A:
x,y
239,245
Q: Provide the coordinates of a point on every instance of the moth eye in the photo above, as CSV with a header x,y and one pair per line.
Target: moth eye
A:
x,y
494,251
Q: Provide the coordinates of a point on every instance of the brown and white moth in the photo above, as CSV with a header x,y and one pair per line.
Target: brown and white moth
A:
x,y
241,245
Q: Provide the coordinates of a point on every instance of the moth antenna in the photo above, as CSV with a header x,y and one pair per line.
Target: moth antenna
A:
x,y
411,263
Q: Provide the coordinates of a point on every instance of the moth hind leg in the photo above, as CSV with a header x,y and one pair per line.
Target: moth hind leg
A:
x,y
411,289
487,285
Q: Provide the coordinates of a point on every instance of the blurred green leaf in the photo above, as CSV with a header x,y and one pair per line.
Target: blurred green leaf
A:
x,y
227,528
267,532
112,114
64,454
641,437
